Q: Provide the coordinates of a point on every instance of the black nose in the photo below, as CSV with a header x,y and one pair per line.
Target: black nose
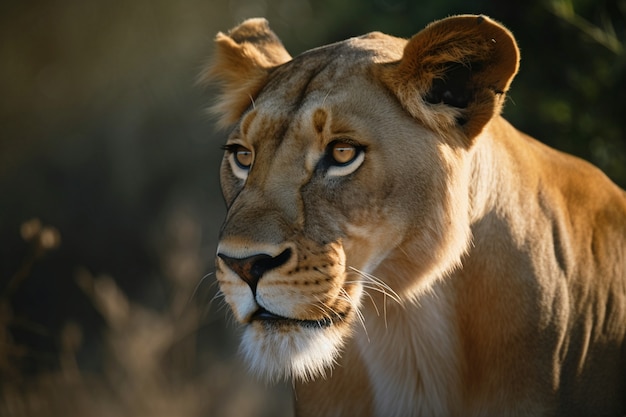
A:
x,y
252,268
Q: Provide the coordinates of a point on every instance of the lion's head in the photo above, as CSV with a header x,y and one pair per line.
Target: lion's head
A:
x,y
345,176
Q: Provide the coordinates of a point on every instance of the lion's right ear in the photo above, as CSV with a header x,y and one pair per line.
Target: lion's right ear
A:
x,y
241,64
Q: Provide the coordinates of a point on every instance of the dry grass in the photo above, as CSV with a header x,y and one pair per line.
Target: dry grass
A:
x,y
152,363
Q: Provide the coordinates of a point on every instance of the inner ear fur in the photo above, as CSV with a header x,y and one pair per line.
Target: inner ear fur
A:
x,y
455,73
241,64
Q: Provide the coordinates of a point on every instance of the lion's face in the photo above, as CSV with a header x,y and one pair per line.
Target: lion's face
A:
x,y
334,190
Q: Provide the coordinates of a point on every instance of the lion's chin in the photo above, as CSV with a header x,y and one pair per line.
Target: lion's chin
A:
x,y
284,350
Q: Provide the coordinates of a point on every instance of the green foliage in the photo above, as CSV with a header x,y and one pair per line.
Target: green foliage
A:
x,y
570,90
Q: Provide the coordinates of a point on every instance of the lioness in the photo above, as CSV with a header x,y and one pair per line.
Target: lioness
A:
x,y
399,249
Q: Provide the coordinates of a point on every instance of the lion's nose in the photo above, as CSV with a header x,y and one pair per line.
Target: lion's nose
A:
x,y
252,268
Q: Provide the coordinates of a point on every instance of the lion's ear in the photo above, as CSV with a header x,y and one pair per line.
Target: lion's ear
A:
x,y
455,73
241,64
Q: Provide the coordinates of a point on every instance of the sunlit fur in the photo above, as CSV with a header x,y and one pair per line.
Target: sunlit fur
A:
x,y
455,267
302,353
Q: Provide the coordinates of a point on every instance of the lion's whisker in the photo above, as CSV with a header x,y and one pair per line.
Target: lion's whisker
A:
x,y
345,296
197,287
319,307
374,283
372,300
375,287
387,290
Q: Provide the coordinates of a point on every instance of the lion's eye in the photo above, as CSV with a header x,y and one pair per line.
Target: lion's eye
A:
x,y
343,157
240,159
343,153
243,157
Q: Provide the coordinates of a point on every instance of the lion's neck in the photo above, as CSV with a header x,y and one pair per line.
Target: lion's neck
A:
x,y
413,352
411,355
496,165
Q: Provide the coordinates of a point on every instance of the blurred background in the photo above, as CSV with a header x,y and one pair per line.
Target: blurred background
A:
x,y
109,199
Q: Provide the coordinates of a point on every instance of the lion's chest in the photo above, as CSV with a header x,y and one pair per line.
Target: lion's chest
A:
x,y
412,359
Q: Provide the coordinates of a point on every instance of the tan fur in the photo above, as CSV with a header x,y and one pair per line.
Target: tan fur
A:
x,y
455,267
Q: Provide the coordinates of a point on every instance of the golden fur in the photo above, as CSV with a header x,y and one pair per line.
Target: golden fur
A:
x,y
397,248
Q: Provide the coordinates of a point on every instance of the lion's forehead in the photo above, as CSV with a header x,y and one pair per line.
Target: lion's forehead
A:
x,y
317,79
315,73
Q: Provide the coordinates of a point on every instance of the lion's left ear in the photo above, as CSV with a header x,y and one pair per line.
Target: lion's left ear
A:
x,y
241,64
455,73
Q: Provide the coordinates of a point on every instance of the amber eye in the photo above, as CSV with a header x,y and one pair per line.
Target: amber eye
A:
x,y
240,155
343,157
343,153
243,156
240,159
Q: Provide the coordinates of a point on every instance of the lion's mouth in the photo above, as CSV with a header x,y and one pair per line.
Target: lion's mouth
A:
x,y
271,319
